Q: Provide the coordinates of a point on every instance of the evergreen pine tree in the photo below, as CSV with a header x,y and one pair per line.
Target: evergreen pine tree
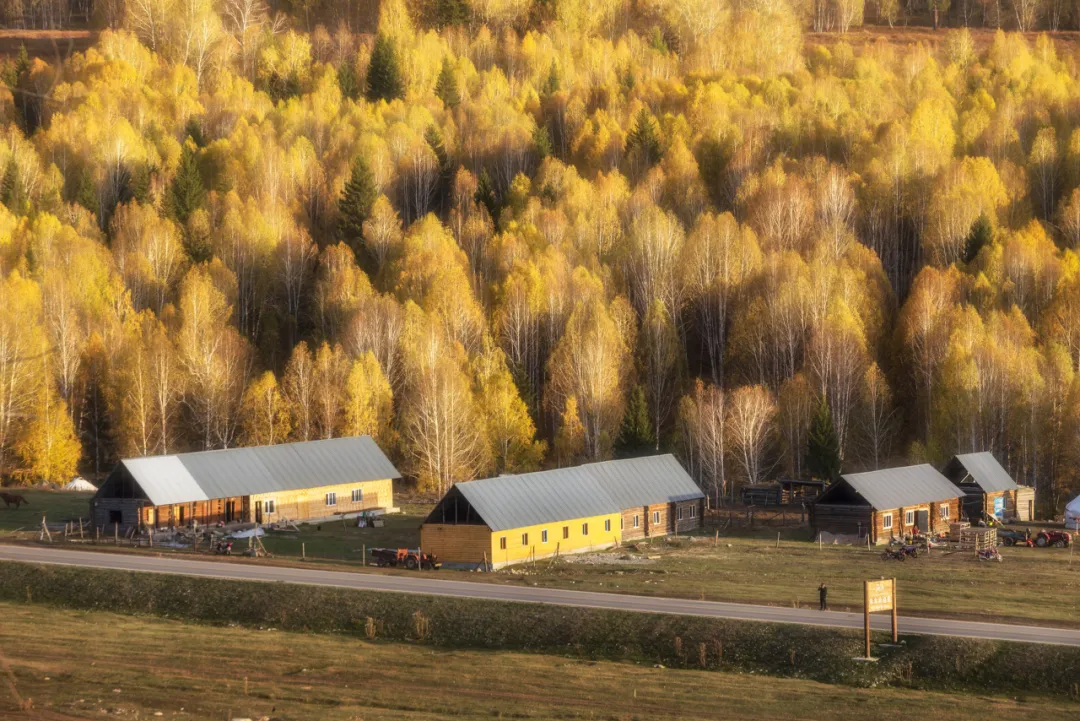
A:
x,y
446,175
645,138
348,83
7,185
637,426
384,75
451,12
187,192
823,445
553,82
485,194
356,199
447,85
982,232
542,141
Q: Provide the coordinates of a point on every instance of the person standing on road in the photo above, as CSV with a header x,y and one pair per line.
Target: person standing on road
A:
x,y
823,594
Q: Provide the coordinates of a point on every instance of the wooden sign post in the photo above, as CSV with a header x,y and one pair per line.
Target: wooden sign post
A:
x,y
879,596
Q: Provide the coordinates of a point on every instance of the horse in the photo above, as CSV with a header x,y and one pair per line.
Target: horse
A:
x,y
9,498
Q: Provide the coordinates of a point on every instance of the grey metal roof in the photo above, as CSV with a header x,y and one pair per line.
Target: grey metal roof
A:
x,y
644,481
984,471
263,469
164,480
564,494
906,486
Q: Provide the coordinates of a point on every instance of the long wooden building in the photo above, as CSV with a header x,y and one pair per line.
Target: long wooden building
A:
x,y
301,482
892,502
505,520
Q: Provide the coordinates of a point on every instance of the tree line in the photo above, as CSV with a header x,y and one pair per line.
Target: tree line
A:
x,y
497,249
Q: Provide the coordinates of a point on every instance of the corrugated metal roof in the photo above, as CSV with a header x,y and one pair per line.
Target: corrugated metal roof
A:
x,y
906,486
564,494
985,471
165,480
644,481
533,498
263,469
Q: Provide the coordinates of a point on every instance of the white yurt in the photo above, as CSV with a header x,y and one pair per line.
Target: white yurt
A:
x,y
1072,513
80,484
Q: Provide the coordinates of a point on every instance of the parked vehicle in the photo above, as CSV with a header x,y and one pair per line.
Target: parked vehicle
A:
x,y
989,554
1009,537
410,558
1057,539
223,548
890,554
910,550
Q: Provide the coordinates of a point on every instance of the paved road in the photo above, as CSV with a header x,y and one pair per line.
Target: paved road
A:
x,y
585,599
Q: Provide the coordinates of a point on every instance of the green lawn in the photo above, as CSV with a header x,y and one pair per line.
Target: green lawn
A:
x,y
342,541
90,665
1030,584
56,506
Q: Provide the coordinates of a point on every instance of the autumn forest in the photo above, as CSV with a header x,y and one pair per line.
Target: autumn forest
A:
x,y
503,235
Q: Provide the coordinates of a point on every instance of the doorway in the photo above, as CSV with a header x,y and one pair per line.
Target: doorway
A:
x,y
922,521
258,512
230,511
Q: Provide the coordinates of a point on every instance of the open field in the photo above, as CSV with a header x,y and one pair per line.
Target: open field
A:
x,y
50,45
1039,585
90,664
56,506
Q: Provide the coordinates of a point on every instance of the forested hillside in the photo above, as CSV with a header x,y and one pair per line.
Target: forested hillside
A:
x,y
499,240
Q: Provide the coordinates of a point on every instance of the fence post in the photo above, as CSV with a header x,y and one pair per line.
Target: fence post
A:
x,y
116,534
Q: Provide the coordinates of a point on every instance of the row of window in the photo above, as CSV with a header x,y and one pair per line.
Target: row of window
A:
x,y
357,497
909,517
544,534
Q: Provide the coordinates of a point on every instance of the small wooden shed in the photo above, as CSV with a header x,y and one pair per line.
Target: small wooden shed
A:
x,y
989,490
893,502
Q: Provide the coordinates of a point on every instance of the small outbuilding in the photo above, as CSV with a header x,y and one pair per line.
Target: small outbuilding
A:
x,y
988,488
1072,515
505,520
892,502
302,482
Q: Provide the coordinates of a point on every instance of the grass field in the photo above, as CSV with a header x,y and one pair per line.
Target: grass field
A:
x,y
1040,585
89,665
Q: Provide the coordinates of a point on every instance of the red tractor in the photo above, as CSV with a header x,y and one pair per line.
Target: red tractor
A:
x,y
1057,539
410,558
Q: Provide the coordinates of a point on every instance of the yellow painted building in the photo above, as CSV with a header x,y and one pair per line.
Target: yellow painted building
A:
x,y
321,502
497,522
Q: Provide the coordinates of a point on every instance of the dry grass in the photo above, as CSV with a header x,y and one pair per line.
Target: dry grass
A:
x,y
71,665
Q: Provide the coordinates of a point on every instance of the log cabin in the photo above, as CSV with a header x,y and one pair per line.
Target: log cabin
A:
x,y
892,502
509,519
302,482
988,488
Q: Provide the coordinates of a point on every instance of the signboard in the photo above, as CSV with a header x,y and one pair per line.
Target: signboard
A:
x,y
878,596
999,507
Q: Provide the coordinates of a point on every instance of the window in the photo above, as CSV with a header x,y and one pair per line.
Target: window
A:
x,y
909,518
886,521
678,513
331,499
358,495
584,529
566,531
656,516
637,522
543,536
502,543
944,511
524,539
693,511
607,525
270,506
